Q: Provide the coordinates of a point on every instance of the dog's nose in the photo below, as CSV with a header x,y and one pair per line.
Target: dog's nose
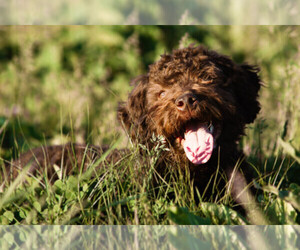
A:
x,y
185,101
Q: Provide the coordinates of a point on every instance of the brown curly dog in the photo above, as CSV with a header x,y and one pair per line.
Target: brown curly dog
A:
x,y
199,101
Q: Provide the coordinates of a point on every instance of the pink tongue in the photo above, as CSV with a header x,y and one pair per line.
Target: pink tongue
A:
x,y
198,144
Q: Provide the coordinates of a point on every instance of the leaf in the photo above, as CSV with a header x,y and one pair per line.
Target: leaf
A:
x,y
60,187
289,149
221,214
37,206
85,187
23,213
292,195
58,171
23,236
70,195
183,238
56,208
9,215
181,216
72,183
281,212
9,237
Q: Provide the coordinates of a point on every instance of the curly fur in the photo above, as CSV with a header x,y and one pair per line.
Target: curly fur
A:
x,y
223,93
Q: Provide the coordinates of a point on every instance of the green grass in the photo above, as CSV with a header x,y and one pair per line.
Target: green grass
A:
x,y
60,84
124,194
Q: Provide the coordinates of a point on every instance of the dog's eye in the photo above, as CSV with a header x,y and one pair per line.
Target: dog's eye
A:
x,y
162,94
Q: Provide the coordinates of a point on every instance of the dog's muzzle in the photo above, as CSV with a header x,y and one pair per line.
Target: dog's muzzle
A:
x,y
186,101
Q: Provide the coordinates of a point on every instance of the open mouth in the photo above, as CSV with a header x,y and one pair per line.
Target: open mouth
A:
x,y
198,142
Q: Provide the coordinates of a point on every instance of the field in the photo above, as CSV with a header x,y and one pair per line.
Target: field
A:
x,y
63,83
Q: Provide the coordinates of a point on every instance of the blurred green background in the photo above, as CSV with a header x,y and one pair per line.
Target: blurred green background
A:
x,y
167,12
62,83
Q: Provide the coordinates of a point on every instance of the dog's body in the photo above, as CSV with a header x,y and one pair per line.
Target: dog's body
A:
x,y
57,161
199,101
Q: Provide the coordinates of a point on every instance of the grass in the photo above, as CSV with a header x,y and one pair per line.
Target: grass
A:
x,y
60,84
123,193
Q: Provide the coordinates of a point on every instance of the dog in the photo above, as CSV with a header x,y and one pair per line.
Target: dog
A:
x,y
58,161
197,100
200,102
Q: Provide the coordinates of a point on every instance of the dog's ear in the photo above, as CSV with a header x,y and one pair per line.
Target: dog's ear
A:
x,y
132,114
246,86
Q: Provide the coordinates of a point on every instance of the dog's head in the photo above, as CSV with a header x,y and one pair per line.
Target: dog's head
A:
x,y
196,98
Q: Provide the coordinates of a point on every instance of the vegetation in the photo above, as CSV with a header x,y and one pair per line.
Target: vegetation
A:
x,y
150,12
61,83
